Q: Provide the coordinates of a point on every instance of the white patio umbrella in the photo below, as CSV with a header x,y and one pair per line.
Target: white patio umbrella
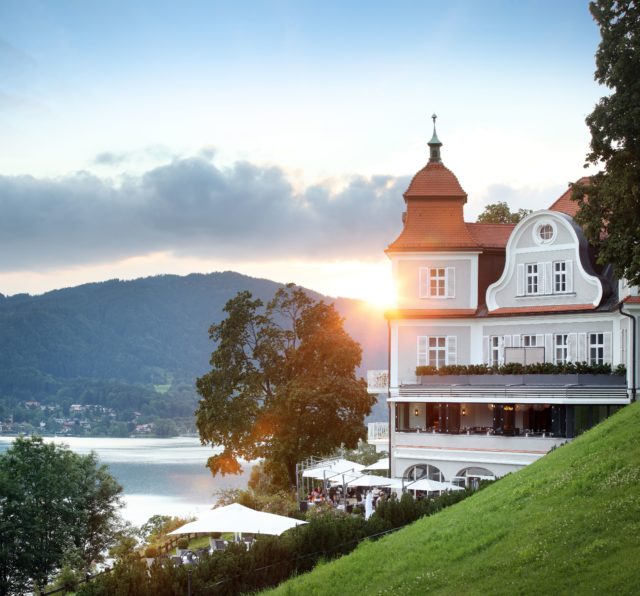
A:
x,y
395,483
422,484
240,520
369,481
329,468
381,464
431,485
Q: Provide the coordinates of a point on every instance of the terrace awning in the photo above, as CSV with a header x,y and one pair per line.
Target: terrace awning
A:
x,y
239,519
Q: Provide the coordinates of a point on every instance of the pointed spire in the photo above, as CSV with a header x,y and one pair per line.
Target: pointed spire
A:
x,y
434,144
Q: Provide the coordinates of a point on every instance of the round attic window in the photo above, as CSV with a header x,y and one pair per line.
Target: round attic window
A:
x,y
544,232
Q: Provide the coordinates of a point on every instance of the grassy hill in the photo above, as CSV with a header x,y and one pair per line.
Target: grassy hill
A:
x,y
568,524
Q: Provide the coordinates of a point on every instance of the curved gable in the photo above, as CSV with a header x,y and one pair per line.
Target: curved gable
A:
x,y
546,265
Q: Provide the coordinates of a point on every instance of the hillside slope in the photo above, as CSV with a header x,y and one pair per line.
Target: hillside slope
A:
x,y
152,330
133,346
568,524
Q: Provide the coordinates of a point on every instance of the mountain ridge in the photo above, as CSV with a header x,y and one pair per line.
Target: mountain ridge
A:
x,y
142,333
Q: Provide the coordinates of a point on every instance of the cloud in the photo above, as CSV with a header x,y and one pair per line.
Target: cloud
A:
x,y
524,197
109,158
191,207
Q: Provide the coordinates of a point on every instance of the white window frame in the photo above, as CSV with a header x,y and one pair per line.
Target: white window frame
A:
x,y
437,350
596,345
532,279
437,281
561,348
494,350
559,277
445,278
529,341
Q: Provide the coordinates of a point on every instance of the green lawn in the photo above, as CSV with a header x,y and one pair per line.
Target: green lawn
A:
x,y
568,524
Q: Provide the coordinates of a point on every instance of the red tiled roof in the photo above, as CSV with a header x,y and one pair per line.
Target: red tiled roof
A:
x,y
491,235
437,224
552,308
429,313
435,180
632,300
564,204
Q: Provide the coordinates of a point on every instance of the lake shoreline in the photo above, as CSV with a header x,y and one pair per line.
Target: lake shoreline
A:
x,y
159,476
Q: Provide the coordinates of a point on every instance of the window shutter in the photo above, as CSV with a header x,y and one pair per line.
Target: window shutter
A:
x,y
548,347
452,349
422,350
582,347
424,282
501,349
450,281
572,348
485,349
516,341
541,279
539,340
548,278
607,346
507,344
520,280
569,271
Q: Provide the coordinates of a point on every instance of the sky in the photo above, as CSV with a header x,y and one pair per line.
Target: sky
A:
x,y
272,138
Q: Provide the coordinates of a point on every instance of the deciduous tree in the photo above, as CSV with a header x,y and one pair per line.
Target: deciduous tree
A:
x,y
56,507
610,201
282,386
499,213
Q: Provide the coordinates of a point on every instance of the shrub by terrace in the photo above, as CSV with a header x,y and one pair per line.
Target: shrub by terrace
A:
x,y
271,559
515,368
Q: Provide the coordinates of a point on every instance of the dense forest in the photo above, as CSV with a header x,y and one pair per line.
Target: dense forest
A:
x,y
129,351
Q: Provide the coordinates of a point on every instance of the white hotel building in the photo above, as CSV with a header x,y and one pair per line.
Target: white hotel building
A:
x,y
471,293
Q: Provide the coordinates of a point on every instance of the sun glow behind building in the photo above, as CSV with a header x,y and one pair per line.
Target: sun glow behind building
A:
x,y
115,104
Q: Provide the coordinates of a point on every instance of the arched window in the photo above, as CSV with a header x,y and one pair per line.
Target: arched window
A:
x,y
420,471
472,476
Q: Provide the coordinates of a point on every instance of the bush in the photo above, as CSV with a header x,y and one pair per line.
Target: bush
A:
x,y
272,559
515,368
183,543
151,552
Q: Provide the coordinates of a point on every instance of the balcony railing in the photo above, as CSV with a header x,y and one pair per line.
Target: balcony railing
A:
x,y
377,381
378,432
515,393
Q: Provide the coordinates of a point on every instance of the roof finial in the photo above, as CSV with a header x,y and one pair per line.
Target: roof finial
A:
x,y
434,144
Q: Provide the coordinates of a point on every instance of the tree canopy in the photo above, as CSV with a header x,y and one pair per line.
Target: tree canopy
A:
x,y
499,213
610,200
282,386
56,508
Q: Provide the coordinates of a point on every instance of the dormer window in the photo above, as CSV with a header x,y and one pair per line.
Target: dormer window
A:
x,y
545,278
437,282
533,278
545,232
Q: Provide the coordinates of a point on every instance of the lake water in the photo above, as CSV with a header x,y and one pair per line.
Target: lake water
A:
x,y
159,476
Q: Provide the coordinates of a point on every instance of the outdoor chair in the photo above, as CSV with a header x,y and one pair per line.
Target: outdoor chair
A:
x,y
219,545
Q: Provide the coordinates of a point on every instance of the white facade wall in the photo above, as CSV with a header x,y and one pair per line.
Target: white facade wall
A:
x,y
452,453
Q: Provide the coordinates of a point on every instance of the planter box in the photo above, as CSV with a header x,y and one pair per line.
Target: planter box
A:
x,y
620,380
444,379
528,379
496,379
